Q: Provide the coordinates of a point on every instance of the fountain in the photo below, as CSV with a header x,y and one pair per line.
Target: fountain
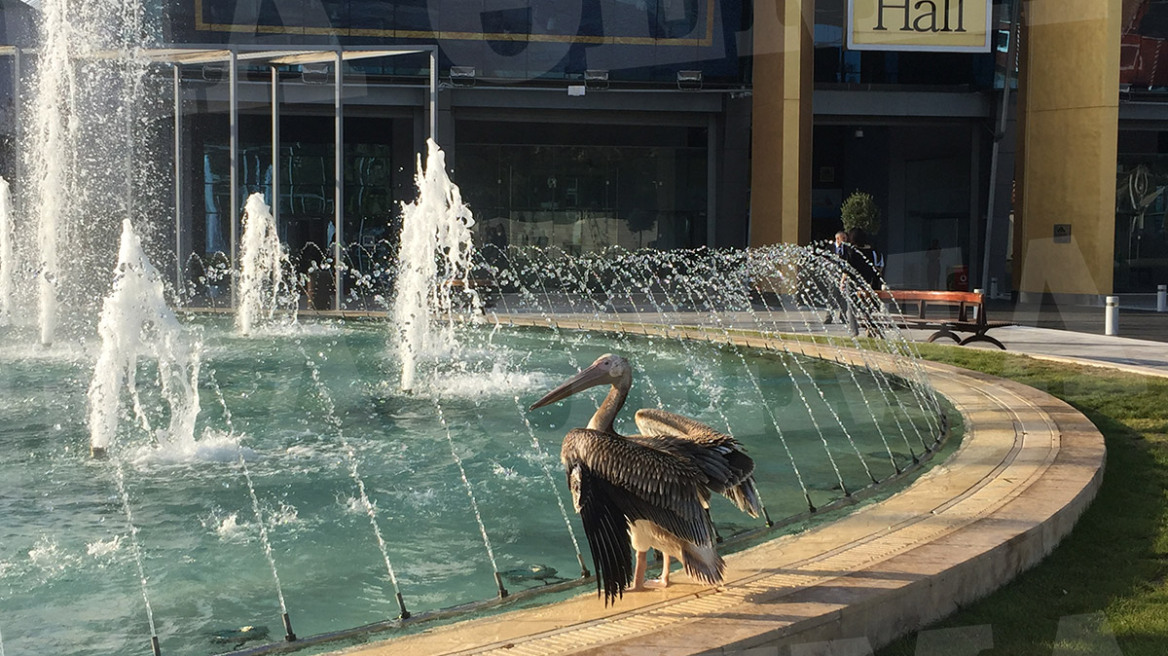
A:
x,y
434,265
263,270
337,458
372,477
88,113
136,322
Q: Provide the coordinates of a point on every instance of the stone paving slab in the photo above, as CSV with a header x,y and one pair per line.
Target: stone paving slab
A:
x,y
1026,469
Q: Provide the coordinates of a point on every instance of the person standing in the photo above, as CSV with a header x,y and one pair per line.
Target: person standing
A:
x,y
836,302
861,256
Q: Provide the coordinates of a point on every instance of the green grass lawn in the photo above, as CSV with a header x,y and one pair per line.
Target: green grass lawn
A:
x,y
1115,562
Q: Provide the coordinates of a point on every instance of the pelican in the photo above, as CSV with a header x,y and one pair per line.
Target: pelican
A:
x,y
649,490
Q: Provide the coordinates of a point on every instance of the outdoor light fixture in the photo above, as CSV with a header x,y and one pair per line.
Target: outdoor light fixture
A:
x,y
314,73
462,76
859,133
689,79
595,78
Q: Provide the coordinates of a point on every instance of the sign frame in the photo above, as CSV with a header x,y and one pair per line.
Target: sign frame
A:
x,y
985,47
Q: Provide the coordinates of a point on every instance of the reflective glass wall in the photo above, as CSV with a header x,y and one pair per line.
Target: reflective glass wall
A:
x,y
637,41
1141,201
584,187
1141,204
306,205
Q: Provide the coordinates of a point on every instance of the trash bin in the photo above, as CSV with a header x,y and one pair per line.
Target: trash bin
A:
x,y
958,278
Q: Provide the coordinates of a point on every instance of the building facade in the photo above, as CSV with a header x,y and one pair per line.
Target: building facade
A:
x,y
1035,167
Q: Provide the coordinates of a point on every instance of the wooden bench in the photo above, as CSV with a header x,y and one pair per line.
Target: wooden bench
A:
x,y
486,289
970,316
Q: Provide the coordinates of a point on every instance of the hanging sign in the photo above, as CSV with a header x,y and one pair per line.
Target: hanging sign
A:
x,y
923,25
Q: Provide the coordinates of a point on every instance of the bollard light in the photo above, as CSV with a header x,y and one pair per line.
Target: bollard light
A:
x,y
1162,298
1111,319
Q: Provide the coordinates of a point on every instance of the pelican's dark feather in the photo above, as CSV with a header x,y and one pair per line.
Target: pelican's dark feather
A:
x,y
606,529
721,458
656,485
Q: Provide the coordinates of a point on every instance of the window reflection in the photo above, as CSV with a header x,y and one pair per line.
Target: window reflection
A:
x,y
307,192
1141,202
583,198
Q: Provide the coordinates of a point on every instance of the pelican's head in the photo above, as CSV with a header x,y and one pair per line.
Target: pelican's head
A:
x,y
608,369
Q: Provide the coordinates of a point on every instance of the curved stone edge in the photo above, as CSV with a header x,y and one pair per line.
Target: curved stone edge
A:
x,y
1027,468
1000,540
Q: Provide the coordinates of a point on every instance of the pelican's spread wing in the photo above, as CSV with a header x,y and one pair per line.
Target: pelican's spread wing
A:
x,y
606,529
721,459
662,422
616,481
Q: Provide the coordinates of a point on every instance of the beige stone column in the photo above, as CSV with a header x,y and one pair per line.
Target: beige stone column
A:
x,y
780,184
1068,130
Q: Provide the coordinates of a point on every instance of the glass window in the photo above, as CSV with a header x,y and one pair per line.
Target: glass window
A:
x,y
636,40
307,185
584,198
1141,233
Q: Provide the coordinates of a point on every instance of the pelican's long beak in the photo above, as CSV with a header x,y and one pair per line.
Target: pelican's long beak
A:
x,y
590,377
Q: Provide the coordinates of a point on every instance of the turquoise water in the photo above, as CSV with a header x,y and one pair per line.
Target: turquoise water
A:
x,y
307,405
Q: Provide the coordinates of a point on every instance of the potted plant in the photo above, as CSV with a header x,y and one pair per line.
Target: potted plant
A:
x,y
859,210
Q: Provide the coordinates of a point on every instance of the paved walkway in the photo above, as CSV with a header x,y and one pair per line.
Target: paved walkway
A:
x,y
1075,333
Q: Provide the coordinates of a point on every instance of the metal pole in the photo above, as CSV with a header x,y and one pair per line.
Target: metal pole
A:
x,y
711,178
434,94
1111,319
339,173
276,148
1011,49
233,121
178,258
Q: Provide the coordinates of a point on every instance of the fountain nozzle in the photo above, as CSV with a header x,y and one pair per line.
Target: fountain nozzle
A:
x,y
154,646
98,452
502,591
289,635
401,603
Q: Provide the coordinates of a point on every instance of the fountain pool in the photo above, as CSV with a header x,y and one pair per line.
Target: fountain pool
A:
x,y
328,439
314,488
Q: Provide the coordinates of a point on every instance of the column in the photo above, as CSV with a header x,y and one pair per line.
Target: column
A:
x,y
780,188
1068,125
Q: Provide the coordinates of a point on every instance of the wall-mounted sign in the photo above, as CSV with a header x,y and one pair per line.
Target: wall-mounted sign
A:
x,y
931,25
1062,233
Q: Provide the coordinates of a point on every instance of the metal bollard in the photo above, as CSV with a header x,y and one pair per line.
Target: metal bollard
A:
x,y
1162,298
1111,322
993,287
975,310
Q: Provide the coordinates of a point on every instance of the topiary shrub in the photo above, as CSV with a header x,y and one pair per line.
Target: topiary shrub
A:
x,y
859,210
